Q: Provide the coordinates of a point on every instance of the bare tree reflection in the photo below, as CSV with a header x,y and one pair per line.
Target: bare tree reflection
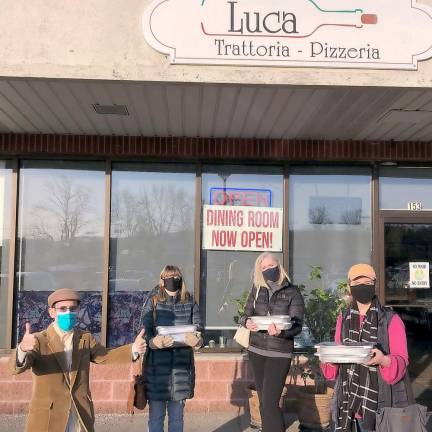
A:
x,y
63,213
156,210
319,215
351,217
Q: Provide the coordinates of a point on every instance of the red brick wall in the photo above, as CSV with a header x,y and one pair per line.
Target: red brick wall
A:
x,y
221,385
176,148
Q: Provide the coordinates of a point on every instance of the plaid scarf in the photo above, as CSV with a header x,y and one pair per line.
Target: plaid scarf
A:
x,y
358,382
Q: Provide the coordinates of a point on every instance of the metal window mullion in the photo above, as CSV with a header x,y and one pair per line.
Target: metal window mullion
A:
x,y
11,257
286,239
197,241
106,253
377,247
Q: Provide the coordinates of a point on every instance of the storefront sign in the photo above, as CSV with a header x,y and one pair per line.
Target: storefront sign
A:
x,y
379,34
242,228
419,275
241,197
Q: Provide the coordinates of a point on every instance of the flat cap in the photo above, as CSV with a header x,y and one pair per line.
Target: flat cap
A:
x,y
361,274
63,294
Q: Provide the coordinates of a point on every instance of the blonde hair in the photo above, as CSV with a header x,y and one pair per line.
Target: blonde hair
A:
x,y
259,280
170,271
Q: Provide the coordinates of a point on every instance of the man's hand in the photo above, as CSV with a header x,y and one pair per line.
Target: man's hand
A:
x,y
194,340
29,340
250,325
379,359
273,330
140,345
160,342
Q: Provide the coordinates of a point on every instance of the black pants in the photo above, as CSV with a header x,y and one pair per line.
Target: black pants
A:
x,y
270,375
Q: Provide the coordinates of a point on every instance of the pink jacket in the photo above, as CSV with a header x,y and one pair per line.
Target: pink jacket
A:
x,y
398,352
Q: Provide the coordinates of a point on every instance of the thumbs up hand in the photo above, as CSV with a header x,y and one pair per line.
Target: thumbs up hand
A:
x,y
140,345
29,340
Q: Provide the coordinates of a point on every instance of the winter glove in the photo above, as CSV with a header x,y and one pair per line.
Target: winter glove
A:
x,y
160,342
194,340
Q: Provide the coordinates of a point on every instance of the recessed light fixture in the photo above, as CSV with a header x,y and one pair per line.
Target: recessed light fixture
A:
x,y
388,163
405,116
120,110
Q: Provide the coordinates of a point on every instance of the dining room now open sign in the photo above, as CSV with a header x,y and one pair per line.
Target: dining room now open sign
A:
x,y
242,228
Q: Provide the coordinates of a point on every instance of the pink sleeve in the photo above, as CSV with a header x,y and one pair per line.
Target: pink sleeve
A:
x,y
330,370
398,352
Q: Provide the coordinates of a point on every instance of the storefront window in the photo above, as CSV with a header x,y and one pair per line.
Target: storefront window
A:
x,y
59,239
227,274
330,221
403,188
152,225
5,205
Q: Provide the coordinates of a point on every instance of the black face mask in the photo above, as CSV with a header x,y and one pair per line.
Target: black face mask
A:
x,y
363,293
272,274
173,284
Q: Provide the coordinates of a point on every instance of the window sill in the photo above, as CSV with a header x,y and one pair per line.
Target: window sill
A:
x,y
5,352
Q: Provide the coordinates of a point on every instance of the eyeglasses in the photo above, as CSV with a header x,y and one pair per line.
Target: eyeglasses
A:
x,y
67,308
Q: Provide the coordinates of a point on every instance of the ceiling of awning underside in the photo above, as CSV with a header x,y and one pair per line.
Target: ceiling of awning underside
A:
x,y
192,110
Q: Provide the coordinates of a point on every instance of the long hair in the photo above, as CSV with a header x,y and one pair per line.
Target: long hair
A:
x,y
167,272
259,280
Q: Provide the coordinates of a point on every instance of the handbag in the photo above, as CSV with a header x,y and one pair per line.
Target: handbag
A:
x,y
413,418
242,335
137,397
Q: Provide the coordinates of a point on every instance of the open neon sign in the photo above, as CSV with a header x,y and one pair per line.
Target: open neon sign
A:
x,y
241,197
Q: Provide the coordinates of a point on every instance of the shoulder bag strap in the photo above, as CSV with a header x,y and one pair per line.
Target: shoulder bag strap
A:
x,y
256,297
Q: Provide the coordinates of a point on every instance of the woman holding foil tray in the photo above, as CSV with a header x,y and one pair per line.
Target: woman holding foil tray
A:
x,y
169,369
270,350
362,389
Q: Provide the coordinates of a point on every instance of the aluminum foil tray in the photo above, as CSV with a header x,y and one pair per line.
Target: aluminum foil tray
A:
x,y
335,349
173,330
283,322
353,359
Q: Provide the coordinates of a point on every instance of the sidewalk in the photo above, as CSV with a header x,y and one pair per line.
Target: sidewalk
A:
x,y
214,422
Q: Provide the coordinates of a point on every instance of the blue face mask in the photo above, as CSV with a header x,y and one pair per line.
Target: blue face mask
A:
x,y
66,321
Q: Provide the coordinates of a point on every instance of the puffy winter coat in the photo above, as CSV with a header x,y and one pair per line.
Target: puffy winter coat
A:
x,y
285,301
169,373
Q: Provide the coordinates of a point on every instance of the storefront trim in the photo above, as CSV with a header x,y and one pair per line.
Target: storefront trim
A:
x,y
212,149
26,146
394,216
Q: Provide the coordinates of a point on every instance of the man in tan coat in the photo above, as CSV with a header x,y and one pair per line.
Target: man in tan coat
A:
x,y
59,358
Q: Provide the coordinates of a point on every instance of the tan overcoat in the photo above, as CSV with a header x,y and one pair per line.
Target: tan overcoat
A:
x,y
55,389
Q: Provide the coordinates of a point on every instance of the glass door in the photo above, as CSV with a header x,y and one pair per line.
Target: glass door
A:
x,y
406,276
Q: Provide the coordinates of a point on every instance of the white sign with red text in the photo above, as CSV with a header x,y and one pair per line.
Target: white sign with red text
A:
x,y
242,228
377,34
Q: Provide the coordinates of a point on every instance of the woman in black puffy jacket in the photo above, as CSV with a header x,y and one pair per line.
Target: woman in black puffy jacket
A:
x,y
270,351
169,369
